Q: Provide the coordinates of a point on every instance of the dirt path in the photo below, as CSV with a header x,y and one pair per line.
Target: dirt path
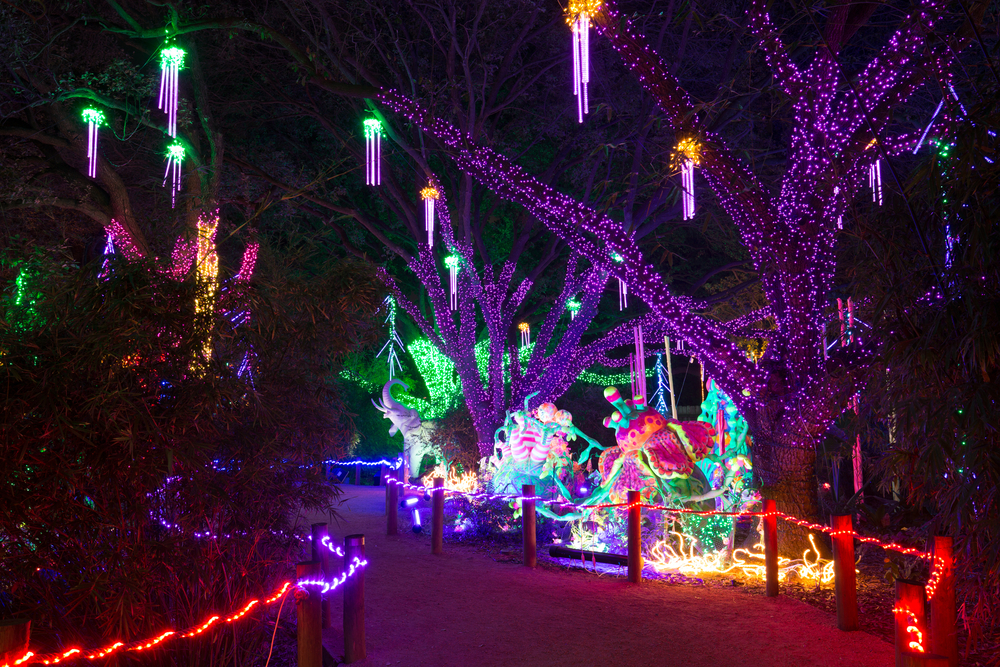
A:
x,y
463,608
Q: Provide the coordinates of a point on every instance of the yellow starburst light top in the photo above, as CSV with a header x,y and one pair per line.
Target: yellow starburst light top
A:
x,y
688,149
430,192
579,7
523,326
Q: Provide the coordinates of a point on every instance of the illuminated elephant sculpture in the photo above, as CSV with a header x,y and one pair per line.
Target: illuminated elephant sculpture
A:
x,y
416,433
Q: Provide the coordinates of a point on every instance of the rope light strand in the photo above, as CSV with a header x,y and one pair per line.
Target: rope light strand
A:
x,y
51,659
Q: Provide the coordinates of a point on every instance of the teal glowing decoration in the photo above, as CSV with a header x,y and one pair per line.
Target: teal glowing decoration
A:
x,y
573,306
373,151
94,118
732,443
171,61
175,161
394,341
453,262
662,390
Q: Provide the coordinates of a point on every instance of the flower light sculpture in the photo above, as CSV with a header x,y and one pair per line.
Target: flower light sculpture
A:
x,y
373,152
171,61
175,161
578,17
525,330
573,306
429,194
94,118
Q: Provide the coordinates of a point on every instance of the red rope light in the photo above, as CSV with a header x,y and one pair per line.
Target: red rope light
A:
x,y
912,629
144,644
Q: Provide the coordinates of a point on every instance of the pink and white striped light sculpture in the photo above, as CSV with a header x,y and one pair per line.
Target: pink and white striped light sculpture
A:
x,y
578,17
94,118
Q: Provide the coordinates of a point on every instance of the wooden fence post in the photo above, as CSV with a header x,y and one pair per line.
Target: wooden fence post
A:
x,y
528,526
321,555
634,537
310,617
15,634
942,622
354,601
770,548
845,582
437,517
909,600
357,474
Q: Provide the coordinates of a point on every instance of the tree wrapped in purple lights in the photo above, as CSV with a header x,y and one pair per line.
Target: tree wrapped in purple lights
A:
x,y
839,127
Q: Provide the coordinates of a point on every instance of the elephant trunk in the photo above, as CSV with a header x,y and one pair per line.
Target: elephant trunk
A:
x,y
387,400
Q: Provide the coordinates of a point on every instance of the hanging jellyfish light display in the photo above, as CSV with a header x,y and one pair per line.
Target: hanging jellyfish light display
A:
x,y
578,17
453,262
373,152
859,480
94,118
525,330
639,375
573,306
171,61
850,320
875,180
175,162
687,156
875,176
622,287
429,195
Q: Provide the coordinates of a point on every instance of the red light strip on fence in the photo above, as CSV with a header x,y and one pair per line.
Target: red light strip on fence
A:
x,y
142,645
19,661
912,629
52,659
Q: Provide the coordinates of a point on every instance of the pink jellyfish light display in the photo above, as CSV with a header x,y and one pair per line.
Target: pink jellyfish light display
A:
x,y
171,61
578,17
175,162
373,152
429,195
453,262
94,118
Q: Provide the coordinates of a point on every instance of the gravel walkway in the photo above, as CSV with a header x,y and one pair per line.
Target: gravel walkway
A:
x,y
465,609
